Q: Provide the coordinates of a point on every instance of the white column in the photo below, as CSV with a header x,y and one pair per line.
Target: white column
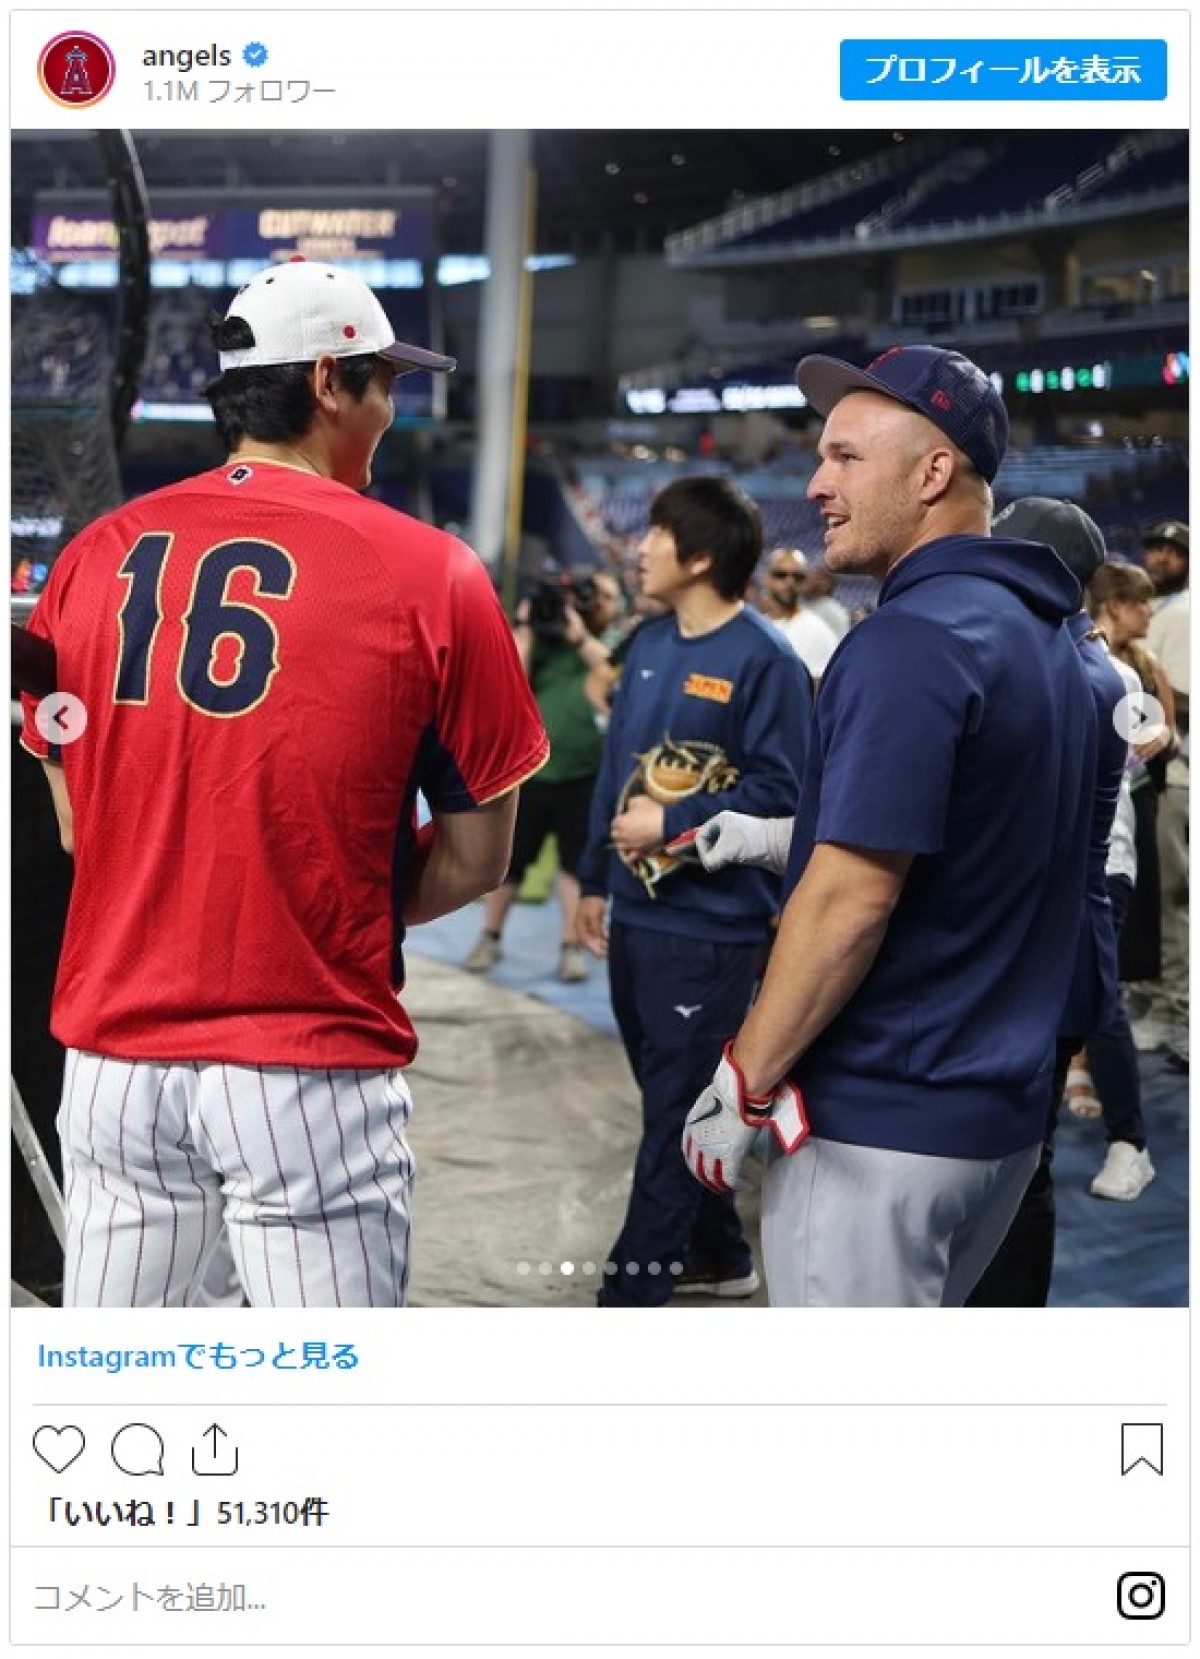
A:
x,y
501,388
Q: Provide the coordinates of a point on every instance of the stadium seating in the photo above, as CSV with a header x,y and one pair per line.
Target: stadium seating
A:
x,y
993,177
180,360
1125,486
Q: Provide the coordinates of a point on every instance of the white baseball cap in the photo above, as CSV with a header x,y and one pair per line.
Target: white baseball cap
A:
x,y
301,310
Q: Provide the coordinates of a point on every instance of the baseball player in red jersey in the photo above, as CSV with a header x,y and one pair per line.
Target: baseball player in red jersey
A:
x,y
272,667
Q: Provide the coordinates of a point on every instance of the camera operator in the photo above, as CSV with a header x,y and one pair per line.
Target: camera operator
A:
x,y
557,629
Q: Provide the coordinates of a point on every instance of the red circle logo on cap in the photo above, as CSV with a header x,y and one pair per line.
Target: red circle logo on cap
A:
x,y
76,70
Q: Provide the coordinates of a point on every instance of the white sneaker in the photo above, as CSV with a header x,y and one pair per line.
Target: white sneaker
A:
x,y
486,954
729,1284
572,965
1175,1041
1148,1033
1126,1174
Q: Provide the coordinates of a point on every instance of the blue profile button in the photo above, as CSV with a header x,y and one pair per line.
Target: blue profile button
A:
x,y
984,71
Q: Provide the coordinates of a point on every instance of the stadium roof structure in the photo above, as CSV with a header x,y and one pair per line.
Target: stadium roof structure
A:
x,y
624,189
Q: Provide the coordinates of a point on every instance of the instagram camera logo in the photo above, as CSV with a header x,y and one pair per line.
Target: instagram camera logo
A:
x,y
1141,1595
76,70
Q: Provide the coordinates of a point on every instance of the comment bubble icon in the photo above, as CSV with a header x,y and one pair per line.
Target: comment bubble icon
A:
x,y
137,1449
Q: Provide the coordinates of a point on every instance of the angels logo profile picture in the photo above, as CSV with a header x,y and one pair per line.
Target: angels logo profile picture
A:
x,y
76,70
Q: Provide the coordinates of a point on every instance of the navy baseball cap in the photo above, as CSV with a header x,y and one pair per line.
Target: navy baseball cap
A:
x,y
944,386
1062,526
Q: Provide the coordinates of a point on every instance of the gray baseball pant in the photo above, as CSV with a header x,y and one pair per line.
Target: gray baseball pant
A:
x,y
864,1227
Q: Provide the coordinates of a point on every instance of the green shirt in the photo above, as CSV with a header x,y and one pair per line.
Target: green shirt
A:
x,y
557,673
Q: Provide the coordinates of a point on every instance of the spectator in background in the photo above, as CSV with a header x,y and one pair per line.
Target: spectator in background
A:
x,y
1167,547
813,641
1109,1063
819,597
606,615
558,652
1167,560
1119,600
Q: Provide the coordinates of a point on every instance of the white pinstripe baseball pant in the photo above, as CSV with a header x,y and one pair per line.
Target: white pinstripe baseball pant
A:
x,y
308,1171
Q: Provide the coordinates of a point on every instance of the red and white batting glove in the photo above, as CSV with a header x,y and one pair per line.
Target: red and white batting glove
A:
x,y
721,1126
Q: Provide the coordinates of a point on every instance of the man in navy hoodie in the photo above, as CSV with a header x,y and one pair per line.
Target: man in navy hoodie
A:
x,y
1019,1273
936,873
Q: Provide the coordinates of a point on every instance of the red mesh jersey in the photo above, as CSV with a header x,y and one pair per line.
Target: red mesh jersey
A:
x,y
272,667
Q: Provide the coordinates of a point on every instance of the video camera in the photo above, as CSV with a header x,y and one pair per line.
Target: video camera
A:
x,y
549,598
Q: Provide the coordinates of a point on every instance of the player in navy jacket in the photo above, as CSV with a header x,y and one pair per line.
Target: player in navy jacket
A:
x,y
713,710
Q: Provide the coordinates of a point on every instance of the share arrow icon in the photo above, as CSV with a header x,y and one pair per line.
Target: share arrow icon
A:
x,y
215,1454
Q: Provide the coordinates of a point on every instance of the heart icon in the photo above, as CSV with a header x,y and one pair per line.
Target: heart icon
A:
x,y
58,1447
